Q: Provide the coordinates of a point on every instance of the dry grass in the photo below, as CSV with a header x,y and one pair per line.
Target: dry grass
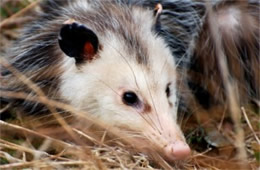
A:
x,y
55,142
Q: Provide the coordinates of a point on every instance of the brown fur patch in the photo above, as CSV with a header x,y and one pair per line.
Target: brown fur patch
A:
x,y
147,108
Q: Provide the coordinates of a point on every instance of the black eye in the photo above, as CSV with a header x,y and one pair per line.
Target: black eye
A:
x,y
130,99
168,91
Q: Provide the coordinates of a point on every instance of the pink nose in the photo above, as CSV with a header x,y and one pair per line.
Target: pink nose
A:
x,y
177,151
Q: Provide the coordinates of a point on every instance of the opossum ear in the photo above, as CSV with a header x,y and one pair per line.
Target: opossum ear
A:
x,y
157,10
157,13
78,41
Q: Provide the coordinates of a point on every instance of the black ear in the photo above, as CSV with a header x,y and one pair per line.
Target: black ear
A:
x,y
78,41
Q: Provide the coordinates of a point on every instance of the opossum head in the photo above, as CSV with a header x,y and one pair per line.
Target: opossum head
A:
x,y
124,75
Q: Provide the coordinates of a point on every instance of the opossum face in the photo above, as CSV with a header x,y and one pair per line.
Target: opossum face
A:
x,y
129,85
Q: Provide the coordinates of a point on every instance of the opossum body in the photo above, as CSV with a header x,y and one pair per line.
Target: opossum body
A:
x,y
237,24
106,58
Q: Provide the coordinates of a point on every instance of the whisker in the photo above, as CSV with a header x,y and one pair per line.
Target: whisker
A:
x,y
153,106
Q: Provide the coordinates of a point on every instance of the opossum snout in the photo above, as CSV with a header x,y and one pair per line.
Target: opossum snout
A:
x,y
177,150
170,139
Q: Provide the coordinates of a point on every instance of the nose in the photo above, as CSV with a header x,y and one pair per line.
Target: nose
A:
x,y
177,151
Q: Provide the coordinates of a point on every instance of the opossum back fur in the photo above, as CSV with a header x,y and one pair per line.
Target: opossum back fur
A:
x,y
238,27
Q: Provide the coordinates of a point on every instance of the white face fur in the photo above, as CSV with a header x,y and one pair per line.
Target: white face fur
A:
x,y
103,87
97,87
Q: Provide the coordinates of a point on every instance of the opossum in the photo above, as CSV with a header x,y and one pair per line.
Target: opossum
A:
x,y
120,61
108,58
